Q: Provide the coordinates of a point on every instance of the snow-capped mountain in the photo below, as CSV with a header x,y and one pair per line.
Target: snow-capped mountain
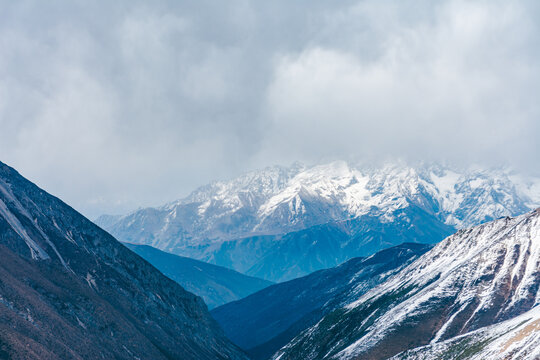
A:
x,y
215,212
69,290
475,278
240,222
279,200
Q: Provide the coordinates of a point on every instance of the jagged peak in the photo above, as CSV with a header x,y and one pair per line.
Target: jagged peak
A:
x,y
281,199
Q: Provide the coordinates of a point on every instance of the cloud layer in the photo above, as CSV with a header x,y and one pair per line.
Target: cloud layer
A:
x,y
117,106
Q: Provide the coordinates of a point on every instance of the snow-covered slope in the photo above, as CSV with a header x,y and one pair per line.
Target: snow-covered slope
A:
x,y
514,339
278,200
214,212
474,278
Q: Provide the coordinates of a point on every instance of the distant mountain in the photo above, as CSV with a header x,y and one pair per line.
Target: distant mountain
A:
x,y
474,279
283,257
69,290
264,322
243,222
215,284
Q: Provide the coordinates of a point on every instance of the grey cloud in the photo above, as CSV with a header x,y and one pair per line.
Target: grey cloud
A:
x,y
118,105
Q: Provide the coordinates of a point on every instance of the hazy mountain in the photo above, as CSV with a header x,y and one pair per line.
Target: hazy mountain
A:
x,y
256,223
475,278
284,257
267,320
215,284
69,290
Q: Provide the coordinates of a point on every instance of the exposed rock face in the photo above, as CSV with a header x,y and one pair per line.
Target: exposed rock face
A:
x,y
475,278
514,339
69,290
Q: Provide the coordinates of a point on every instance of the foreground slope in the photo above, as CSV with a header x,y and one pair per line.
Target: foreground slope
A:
x,y
268,319
250,222
517,338
69,290
215,284
475,278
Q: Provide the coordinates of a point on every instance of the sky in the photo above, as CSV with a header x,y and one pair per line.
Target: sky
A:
x,y
117,105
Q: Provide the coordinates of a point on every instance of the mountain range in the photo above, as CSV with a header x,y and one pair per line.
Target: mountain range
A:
x,y
69,290
256,223
215,284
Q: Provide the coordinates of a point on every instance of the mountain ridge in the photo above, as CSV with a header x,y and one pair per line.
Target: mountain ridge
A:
x,y
67,285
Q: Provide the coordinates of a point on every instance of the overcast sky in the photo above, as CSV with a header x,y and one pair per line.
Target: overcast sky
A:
x,y
112,105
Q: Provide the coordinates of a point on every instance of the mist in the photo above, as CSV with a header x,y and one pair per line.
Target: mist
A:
x,y
116,106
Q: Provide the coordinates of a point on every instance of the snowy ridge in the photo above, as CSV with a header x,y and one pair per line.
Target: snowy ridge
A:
x,y
278,200
475,278
458,263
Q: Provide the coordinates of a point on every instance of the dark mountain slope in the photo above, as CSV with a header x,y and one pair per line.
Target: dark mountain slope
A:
x,y
268,319
69,290
215,284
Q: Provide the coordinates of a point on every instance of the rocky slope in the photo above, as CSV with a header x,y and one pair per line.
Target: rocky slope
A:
x,y
265,321
69,290
215,284
221,222
514,339
475,278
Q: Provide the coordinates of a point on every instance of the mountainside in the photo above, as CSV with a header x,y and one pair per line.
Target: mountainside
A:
x,y
69,290
473,279
267,320
256,223
284,257
215,284
517,338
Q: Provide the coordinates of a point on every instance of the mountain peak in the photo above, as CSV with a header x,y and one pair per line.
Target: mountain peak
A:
x,y
281,198
425,203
